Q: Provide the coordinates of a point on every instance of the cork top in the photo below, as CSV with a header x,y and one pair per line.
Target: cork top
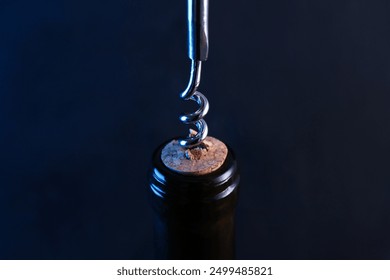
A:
x,y
200,160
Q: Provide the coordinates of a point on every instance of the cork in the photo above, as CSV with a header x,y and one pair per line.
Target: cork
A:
x,y
200,160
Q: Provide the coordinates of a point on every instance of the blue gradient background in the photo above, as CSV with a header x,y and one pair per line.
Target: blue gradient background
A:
x,y
299,89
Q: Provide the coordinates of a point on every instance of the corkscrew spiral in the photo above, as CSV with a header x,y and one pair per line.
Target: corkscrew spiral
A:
x,y
196,117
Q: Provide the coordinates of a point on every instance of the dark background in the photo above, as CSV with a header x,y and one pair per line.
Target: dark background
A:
x,y
299,89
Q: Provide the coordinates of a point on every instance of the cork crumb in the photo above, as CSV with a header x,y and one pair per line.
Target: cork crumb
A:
x,y
195,153
199,151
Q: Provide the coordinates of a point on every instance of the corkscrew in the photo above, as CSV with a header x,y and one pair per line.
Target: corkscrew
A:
x,y
198,48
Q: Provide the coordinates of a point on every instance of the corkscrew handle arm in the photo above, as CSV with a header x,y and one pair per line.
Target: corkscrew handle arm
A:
x,y
198,33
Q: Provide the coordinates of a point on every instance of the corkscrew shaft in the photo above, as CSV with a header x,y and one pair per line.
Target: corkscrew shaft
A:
x,y
198,49
198,31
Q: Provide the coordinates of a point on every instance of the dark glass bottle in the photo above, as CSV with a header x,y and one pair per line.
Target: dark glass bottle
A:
x,y
194,214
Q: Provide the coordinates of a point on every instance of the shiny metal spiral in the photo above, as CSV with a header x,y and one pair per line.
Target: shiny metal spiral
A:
x,y
196,117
